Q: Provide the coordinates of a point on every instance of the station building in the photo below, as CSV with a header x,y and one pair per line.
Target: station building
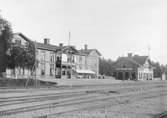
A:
x,y
133,67
58,61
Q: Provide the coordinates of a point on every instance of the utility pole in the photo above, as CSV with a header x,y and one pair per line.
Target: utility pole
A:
x,y
69,37
35,65
33,68
69,53
149,48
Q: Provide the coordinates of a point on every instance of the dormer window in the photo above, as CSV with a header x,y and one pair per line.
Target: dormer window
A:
x,y
124,66
18,41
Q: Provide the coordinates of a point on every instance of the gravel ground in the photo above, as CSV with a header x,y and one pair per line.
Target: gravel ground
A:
x,y
131,106
144,108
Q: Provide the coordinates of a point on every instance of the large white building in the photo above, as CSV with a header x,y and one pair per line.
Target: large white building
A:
x,y
58,61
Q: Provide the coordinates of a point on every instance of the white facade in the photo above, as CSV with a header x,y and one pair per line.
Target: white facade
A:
x,y
145,72
88,62
46,63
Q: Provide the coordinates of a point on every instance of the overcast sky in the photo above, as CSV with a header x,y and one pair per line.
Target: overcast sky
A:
x,y
114,27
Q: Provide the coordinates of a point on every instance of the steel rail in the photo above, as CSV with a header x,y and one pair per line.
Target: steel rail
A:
x,y
68,102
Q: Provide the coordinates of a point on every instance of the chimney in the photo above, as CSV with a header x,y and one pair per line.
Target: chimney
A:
x,y
85,47
74,46
46,41
61,44
130,55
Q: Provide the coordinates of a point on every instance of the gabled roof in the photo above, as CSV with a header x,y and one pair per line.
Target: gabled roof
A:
x,y
140,59
22,36
57,48
133,61
46,46
88,51
65,48
125,62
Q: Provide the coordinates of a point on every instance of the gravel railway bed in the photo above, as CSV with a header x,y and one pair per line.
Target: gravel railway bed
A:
x,y
91,101
28,99
40,92
124,83
89,97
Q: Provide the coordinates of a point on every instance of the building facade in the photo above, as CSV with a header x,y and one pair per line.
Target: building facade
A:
x,y
88,61
58,61
133,68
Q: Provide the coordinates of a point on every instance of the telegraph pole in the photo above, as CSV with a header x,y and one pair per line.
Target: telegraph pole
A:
x,y
70,55
35,65
149,48
69,37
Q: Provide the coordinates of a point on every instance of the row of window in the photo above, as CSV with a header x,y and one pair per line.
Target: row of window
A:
x,y
43,69
69,58
145,76
43,56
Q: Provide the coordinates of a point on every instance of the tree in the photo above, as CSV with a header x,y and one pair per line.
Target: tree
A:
x,y
6,35
29,59
159,69
22,56
105,66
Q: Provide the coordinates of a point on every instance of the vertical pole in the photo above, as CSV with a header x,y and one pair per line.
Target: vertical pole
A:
x,y
35,66
61,64
70,55
69,37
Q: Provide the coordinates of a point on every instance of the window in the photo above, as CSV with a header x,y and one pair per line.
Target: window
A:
x,y
51,56
72,58
51,69
42,68
63,72
68,58
19,71
80,66
18,41
140,75
23,71
58,58
80,58
37,52
43,56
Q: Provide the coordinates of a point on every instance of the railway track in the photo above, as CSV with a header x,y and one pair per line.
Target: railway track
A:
x,y
44,92
28,99
80,103
161,115
71,99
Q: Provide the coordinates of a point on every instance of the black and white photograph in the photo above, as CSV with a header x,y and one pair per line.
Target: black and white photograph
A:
x,y
83,58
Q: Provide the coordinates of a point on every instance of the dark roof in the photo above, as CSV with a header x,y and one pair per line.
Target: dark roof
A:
x,y
65,48
23,36
57,48
46,46
140,59
133,61
88,51
125,62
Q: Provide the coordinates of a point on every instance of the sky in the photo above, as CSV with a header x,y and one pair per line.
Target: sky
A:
x,y
114,27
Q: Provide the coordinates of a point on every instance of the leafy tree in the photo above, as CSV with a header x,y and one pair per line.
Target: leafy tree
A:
x,y
5,43
30,55
105,66
22,56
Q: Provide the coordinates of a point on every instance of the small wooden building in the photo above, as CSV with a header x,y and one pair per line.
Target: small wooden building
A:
x,y
133,68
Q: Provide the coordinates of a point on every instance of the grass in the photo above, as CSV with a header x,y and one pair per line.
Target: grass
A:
x,y
19,83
